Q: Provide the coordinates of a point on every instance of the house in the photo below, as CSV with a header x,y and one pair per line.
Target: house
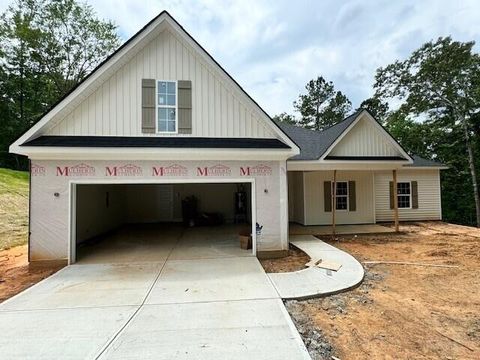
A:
x,y
160,121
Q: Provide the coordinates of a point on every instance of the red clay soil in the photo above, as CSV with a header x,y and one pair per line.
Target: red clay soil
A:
x,y
402,311
295,260
16,274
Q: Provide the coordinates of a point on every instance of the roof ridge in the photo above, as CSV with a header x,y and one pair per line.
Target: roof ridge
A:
x,y
354,115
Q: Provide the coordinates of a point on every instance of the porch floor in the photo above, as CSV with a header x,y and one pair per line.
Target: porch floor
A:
x,y
297,229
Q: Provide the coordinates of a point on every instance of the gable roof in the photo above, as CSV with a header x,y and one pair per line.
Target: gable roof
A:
x,y
124,51
315,144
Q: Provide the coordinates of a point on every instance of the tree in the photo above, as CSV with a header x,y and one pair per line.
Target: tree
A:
x,y
322,106
441,82
378,108
77,41
48,46
285,118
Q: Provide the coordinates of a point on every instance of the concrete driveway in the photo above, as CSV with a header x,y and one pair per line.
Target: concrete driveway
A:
x,y
189,303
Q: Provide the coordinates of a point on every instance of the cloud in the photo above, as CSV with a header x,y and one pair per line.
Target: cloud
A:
x,y
273,47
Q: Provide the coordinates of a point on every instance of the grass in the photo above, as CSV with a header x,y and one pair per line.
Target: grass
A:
x,y
13,208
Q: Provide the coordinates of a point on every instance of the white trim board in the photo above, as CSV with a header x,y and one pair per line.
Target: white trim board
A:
x,y
314,165
96,153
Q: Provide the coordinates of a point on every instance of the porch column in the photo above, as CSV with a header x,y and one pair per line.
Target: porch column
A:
x,y
334,196
395,200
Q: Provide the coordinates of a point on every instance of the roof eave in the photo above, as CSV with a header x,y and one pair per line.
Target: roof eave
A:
x,y
120,153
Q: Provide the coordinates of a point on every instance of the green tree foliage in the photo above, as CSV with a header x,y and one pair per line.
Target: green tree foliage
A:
x,y
48,47
439,86
322,106
285,118
376,107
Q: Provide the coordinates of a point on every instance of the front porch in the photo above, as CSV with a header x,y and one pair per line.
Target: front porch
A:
x,y
297,229
350,200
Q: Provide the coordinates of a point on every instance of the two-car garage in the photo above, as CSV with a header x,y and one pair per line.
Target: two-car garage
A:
x,y
84,205
141,221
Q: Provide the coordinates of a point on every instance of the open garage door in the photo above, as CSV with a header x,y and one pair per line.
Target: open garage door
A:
x,y
113,222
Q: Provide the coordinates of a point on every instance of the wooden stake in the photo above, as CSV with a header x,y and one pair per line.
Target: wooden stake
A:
x,y
395,200
334,203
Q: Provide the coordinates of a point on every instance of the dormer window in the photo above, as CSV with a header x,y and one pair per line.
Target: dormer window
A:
x,y
167,107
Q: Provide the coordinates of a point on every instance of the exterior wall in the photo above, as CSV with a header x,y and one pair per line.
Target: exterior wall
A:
x,y
50,214
314,198
364,139
429,197
296,204
94,217
218,108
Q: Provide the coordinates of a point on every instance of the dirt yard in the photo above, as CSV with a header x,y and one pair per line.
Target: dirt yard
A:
x,y
15,273
401,311
295,261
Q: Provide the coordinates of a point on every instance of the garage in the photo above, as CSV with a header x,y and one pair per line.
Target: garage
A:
x,y
150,221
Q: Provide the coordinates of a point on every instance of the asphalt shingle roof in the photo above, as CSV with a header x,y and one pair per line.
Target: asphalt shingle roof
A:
x,y
313,144
157,142
422,162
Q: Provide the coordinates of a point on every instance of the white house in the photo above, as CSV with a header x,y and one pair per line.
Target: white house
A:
x,y
160,120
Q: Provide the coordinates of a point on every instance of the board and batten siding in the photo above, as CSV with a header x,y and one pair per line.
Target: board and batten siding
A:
x,y
429,198
364,139
219,109
315,213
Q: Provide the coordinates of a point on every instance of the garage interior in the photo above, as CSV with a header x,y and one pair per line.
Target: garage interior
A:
x,y
149,222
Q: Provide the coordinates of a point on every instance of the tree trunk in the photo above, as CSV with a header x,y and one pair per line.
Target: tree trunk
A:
x,y
473,173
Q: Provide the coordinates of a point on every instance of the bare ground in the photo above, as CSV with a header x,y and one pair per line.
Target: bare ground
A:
x,y
295,261
402,311
16,274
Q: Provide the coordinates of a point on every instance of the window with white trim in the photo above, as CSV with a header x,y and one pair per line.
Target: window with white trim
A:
x,y
166,106
404,195
341,195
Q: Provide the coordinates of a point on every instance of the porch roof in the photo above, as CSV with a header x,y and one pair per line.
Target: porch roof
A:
x,y
314,144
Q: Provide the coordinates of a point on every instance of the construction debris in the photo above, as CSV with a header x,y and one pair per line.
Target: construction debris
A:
x,y
324,264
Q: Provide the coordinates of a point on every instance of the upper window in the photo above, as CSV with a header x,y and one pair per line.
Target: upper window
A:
x,y
404,195
341,195
167,106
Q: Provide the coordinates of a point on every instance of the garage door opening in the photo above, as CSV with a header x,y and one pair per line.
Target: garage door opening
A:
x,y
151,221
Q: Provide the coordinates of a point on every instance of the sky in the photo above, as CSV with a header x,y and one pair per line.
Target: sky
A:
x,y
274,47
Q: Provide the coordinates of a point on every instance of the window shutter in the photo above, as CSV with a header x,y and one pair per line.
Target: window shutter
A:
x,y
184,106
391,195
148,106
352,196
414,191
327,196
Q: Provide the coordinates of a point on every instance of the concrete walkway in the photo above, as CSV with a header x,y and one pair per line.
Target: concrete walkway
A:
x,y
314,282
184,303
